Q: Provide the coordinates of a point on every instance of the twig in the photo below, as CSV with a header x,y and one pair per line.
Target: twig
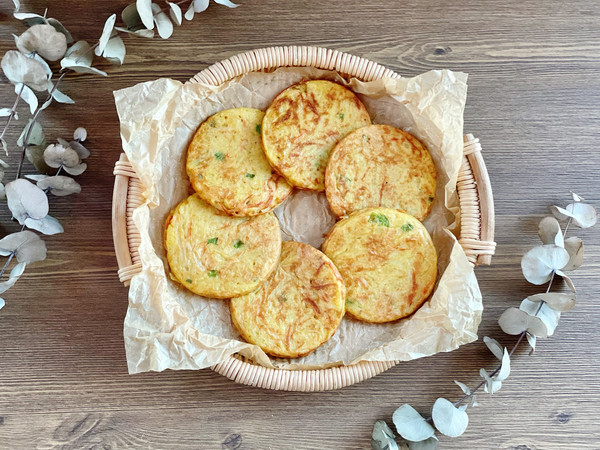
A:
x,y
7,263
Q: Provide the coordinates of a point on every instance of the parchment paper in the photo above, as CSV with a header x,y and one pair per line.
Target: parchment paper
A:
x,y
168,327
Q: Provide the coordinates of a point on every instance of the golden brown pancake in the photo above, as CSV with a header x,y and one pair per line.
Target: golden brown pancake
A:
x,y
228,168
216,255
302,126
297,309
380,165
387,260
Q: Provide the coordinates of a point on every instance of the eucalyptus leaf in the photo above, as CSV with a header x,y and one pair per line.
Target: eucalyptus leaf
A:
x,y
27,95
61,97
504,371
2,303
199,6
583,215
164,26
46,103
539,262
491,385
5,148
115,50
76,170
227,3
61,29
576,198
550,232
80,134
18,68
428,444
2,192
60,185
549,316
36,177
80,149
58,155
411,425
26,200
5,112
558,301
48,225
466,390
383,437
494,347
36,137
44,40
17,4
79,59
568,280
574,247
106,34
30,19
142,32
44,64
473,401
448,419
27,246
175,13
15,274
144,9
131,17
514,321
189,14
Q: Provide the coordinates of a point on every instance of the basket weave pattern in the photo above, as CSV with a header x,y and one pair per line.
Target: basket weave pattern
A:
x,y
473,187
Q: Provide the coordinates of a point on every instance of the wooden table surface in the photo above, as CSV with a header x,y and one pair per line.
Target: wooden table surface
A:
x,y
534,100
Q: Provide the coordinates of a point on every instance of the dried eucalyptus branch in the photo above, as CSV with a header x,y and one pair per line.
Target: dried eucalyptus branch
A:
x,y
536,317
27,68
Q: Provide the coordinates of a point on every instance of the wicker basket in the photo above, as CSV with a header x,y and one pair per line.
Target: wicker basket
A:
x,y
474,190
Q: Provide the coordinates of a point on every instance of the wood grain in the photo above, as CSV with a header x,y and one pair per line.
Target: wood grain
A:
x,y
534,96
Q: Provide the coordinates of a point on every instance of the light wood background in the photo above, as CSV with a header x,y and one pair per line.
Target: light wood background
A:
x,y
534,100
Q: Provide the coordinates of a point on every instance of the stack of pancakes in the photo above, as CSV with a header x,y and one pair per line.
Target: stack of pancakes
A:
x,y
378,262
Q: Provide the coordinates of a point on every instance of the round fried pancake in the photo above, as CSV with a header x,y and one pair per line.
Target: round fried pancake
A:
x,y
387,260
228,168
380,165
297,309
216,255
302,126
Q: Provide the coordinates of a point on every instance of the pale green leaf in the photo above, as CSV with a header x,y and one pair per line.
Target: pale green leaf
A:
x,y
36,177
80,149
44,40
2,302
227,3
504,371
144,9
44,64
189,14
539,262
491,386
5,112
494,347
61,29
549,316
131,17
28,96
17,4
80,134
28,246
574,247
142,32
532,341
558,301
583,215
466,390
164,26
199,5
115,49
5,148
36,137
76,170
568,280
514,321
30,19
576,198
60,185
79,54
411,425
60,156
428,444
448,419
107,32
550,232
26,200
61,97
383,437
18,68
15,274
175,12
48,225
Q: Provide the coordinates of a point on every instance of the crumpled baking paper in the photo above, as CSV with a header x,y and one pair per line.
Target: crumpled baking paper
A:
x,y
168,327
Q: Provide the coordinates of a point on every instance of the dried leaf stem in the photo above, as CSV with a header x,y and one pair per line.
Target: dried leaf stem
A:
x,y
13,110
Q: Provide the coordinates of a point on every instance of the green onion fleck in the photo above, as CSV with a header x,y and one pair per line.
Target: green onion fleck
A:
x,y
379,219
250,175
341,116
407,227
213,273
430,199
188,280
258,128
220,156
238,243
212,241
